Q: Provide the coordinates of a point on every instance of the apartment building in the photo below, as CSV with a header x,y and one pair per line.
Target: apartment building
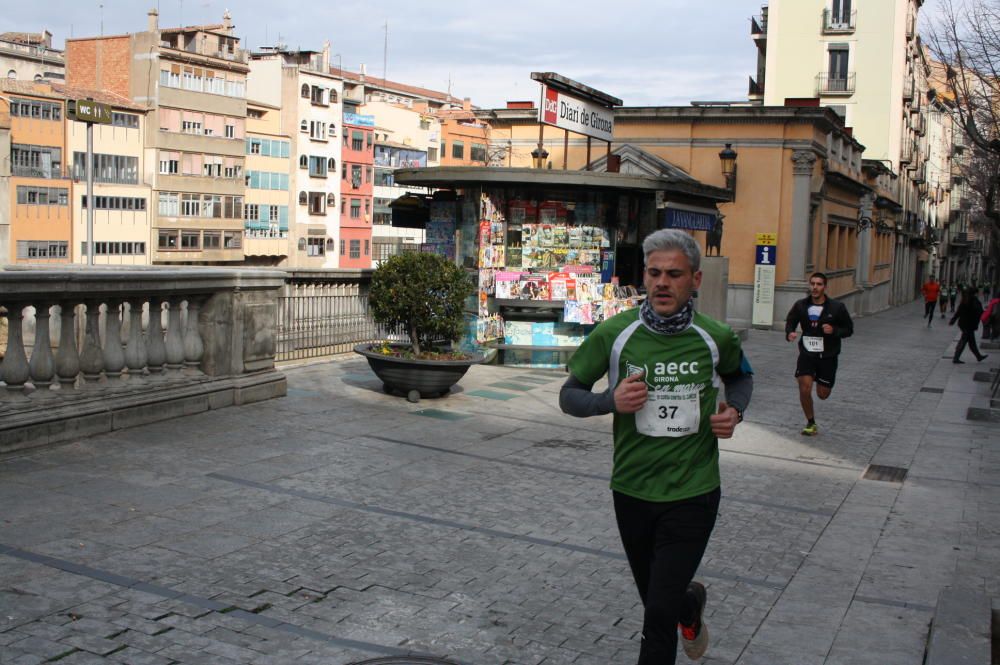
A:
x,y
268,202
122,197
193,79
29,56
40,185
405,137
465,139
357,174
865,61
310,102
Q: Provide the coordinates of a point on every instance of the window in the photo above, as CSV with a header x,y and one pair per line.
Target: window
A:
x,y
355,176
368,174
317,203
303,162
355,208
357,140
42,249
112,169
36,161
168,164
841,14
168,239
304,126
39,110
317,167
115,203
314,247
317,96
305,91
191,127
253,146
368,136
115,248
169,204
457,150
837,73
42,196
425,123
331,200
432,154
331,165
303,198
230,131
333,96
211,239
190,239
355,249
128,120
317,130
232,239
367,247
478,152
342,245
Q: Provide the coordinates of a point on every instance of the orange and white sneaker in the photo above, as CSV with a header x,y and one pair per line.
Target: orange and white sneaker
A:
x,y
694,638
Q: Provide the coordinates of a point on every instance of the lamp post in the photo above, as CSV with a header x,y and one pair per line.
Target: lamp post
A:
x,y
539,154
728,158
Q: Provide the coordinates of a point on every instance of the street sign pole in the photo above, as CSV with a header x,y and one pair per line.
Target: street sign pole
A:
x,y
90,193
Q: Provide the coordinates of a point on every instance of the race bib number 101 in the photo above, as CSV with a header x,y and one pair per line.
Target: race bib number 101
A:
x,y
669,414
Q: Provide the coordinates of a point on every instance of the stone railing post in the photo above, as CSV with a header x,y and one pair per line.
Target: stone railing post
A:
x,y
135,350
156,351
194,348
67,357
92,356
174,339
15,362
43,364
114,355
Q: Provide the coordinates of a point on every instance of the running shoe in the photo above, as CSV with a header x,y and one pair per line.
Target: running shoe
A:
x,y
810,430
694,638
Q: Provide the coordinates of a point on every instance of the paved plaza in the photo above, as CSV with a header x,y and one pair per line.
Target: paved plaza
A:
x,y
340,524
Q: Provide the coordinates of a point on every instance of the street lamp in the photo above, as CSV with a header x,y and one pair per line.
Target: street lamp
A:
x,y
728,158
539,155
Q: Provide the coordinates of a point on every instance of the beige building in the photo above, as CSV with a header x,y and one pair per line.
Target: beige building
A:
x,y
29,56
864,60
268,206
310,102
122,196
194,81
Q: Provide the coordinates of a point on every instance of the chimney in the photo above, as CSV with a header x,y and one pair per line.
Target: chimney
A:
x,y
467,104
153,20
227,23
326,58
362,71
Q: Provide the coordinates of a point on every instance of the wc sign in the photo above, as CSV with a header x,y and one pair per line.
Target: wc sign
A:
x,y
766,249
567,112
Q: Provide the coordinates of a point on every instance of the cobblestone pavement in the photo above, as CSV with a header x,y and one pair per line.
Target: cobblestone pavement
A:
x,y
340,524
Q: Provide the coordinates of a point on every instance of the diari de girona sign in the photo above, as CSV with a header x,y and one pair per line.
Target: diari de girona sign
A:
x,y
567,112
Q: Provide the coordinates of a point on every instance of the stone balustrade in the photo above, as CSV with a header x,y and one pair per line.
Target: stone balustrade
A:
x,y
89,350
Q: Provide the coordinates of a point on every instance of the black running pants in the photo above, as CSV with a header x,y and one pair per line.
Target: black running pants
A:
x,y
664,543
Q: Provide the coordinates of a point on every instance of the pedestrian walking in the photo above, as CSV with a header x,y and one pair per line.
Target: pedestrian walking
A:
x,y
931,290
943,299
953,295
991,318
970,310
824,322
665,363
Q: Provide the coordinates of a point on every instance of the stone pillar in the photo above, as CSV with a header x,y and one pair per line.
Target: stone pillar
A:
x,y
156,354
174,340
114,355
67,358
15,362
802,170
194,348
43,365
135,350
92,356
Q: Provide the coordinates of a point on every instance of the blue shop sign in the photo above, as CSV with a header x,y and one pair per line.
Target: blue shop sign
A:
x,y
689,220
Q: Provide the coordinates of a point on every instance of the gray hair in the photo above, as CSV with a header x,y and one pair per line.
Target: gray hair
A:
x,y
671,239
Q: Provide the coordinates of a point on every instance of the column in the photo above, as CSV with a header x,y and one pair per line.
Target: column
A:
x,y
194,347
174,340
92,356
67,358
43,365
802,170
114,355
135,349
15,362
156,351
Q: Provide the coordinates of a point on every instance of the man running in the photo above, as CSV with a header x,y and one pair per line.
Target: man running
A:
x,y
665,363
824,322
931,290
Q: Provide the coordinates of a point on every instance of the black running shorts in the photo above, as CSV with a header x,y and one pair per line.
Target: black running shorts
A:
x,y
824,370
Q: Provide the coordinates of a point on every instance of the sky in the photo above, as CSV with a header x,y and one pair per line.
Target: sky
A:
x,y
654,52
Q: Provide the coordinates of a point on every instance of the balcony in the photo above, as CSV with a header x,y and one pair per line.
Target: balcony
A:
x,y
908,90
835,85
756,90
963,239
758,26
45,172
839,23
908,152
919,125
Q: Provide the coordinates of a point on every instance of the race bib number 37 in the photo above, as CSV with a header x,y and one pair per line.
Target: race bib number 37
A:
x,y
669,414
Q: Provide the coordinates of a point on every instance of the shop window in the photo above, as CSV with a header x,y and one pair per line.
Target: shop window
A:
x,y
457,150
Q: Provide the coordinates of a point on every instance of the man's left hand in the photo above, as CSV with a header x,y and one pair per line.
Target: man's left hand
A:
x,y
724,422
827,329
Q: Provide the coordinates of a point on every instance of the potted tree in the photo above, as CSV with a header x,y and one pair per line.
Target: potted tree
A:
x,y
422,296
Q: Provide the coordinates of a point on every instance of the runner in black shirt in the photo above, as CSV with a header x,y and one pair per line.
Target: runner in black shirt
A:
x,y
824,322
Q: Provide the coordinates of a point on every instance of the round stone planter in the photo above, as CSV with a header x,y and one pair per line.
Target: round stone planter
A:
x,y
417,378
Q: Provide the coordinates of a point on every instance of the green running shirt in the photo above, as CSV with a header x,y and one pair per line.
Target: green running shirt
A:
x,y
686,365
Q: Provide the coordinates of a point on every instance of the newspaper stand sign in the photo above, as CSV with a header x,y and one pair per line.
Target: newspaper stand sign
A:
x,y
766,250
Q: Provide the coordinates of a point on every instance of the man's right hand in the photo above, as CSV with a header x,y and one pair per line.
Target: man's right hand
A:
x,y
631,394
791,337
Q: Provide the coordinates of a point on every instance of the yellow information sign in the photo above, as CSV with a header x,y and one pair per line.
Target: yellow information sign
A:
x,y
770,239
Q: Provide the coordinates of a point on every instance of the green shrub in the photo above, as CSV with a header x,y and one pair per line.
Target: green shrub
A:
x,y
420,295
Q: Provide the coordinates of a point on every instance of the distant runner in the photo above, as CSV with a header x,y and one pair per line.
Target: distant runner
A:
x,y
931,290
824,322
